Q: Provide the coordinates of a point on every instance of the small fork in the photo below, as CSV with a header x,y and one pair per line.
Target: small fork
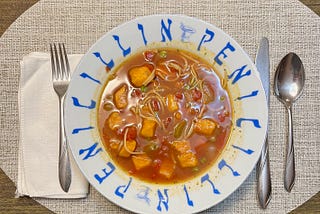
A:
x,y
60,79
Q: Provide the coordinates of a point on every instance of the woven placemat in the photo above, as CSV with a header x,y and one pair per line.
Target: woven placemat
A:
x,y
288,24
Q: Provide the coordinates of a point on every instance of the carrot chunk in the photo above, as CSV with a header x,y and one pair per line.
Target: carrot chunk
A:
x,y
131,146
185,155
121,97
188,159
205,127
138,75
181,146
172,103
114,120
148,128
141,161
167,168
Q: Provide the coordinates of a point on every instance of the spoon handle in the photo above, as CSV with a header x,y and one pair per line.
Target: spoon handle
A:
x,y
289,174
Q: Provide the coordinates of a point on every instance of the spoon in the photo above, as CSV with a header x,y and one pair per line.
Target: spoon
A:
x,y
288,84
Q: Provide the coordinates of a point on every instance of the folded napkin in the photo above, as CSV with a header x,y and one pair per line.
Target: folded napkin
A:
x,y
39,139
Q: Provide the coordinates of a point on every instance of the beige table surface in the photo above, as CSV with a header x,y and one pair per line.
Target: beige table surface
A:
x,y
10,10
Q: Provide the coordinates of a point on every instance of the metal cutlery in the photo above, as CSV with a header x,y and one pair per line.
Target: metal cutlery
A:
x,y
263,166
60,79
288,84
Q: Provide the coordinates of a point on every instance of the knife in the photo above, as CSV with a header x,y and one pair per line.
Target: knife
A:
x,y
263,166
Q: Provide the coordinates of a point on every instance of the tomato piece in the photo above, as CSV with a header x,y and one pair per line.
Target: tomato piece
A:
x,y
222,116
136,93
132,133
149,55
167,121
197,95
179,95
155,105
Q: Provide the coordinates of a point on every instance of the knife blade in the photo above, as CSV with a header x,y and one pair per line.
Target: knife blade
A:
x,y
263,166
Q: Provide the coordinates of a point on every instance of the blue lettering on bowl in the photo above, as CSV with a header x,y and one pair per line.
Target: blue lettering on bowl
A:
x,y
122,189
206,178
237,74
140,27
91,151
87,76
77,130
109,64
255,122
189,201
125,52
247,151
144,194
165,30
222,52
209,34
187,31
163,199
106,172
223,164
253,94
76,103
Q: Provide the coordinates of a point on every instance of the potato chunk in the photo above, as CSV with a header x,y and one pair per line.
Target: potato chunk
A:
x,y
148,128
121,97
138,75
205,127
185,155
131,146
167,168
188,159
181,146
172,103
141,161
114,120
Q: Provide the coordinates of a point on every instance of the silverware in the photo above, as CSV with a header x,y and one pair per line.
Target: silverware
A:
x,y
263,167
61,78
288,84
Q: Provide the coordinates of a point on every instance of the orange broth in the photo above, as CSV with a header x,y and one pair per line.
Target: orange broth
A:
x,y
164,117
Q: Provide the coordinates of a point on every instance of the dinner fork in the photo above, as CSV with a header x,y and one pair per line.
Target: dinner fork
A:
x,y
60,79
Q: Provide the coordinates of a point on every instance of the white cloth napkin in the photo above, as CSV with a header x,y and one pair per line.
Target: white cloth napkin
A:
x,y
39,144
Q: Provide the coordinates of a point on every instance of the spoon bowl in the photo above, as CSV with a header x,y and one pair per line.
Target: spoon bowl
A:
x,y
289,79
288,84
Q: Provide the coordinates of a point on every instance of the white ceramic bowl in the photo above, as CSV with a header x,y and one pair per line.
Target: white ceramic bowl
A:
x,y
246,93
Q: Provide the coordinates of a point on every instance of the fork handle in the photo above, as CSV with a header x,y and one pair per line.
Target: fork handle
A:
x,y
64,161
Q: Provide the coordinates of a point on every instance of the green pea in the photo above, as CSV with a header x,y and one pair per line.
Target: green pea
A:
x,y
163,54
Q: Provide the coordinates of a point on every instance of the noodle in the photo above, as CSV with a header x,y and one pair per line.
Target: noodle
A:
x,y
150,78
189,132
125,144
188,57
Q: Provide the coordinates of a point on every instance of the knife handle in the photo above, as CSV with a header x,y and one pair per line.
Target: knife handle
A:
x,y
264,178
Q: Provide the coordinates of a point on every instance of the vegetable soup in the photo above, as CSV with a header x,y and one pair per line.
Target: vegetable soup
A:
x,y
165,116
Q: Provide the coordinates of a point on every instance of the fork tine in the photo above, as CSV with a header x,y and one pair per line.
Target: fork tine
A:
x,y
57,62
66,61
62,62
53,63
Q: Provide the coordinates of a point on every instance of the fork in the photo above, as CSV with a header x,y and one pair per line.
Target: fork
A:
x,y
60,79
